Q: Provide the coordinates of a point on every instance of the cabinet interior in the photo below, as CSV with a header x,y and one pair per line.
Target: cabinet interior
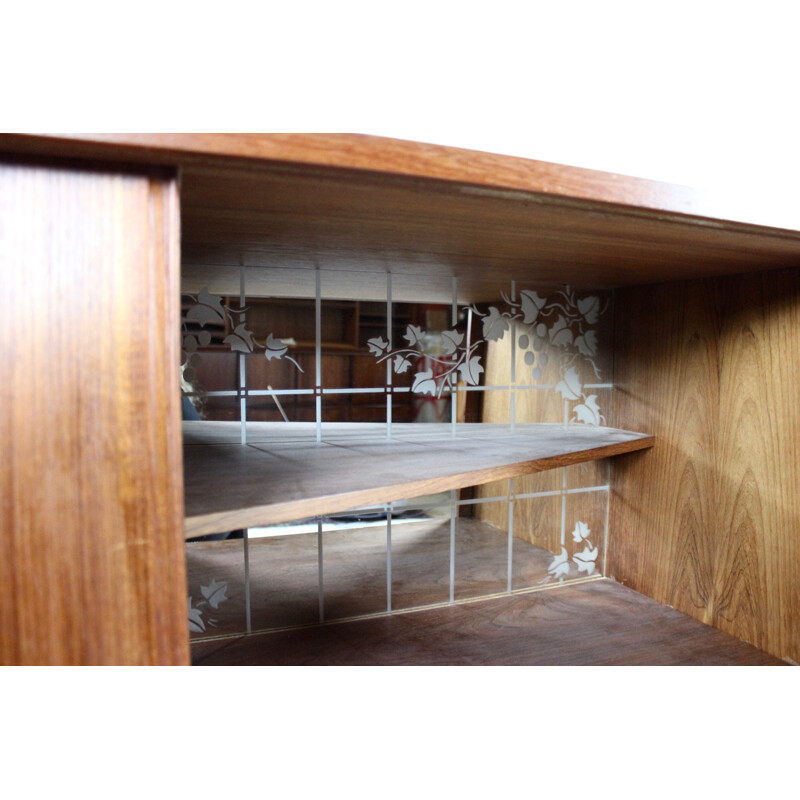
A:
x,y
389,374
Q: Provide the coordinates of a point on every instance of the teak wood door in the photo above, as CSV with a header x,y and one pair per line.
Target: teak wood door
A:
x,y
91,546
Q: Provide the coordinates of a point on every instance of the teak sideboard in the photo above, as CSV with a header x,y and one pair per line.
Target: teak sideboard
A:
x,y
100,234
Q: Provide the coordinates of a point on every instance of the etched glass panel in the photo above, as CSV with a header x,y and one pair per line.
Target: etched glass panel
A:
x,y
276,346
215,575
284,579
420,559
537,538
355,565
209,369
481,554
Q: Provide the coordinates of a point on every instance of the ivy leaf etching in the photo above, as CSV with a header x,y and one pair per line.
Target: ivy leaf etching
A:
x,y
560,333
559,566
585,560
413,335
451,341
532,304
208,309
401,364
424,383
588,412
470,371
275,348
240,340
587,344
196,624
581,532
215,592
570,388
378,346
495,325
590,308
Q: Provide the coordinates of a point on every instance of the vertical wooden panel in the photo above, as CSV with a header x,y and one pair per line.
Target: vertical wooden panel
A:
x,y
91,550
678,397
709,520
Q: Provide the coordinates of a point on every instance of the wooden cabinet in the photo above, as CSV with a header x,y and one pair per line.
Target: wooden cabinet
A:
x,y
701,293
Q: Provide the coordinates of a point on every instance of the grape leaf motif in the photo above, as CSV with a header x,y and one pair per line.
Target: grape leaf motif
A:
x,y
401,364
556,333
413,335
580,532
275,348
588,411
240,340
196,624
531,305
585,560
208,309
470,371
561,334
424,383
213,596
451,341
556,330
590,308
559,566
495,325
215,592
378,346
442,353
570,388
587,344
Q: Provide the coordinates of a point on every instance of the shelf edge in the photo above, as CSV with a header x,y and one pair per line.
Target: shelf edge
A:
x,y
275,513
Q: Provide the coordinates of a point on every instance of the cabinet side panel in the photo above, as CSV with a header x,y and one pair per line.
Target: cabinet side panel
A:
x,y
708,521
91,550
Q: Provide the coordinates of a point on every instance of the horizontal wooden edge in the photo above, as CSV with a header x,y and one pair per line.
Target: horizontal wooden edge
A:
x,y
418,160
276,513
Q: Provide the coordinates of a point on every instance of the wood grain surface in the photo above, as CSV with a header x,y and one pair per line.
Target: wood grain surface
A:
x,y
709,522
594,623
375,154
362,206
282,474
282,225
91,552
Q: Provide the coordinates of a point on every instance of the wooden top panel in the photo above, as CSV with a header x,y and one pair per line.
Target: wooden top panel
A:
x,y
283,474
366,205
431,232
386,156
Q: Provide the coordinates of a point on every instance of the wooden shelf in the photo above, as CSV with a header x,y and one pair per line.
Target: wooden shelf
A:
x,y
283,474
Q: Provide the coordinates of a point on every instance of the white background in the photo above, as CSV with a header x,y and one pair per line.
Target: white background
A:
x,y
700,93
